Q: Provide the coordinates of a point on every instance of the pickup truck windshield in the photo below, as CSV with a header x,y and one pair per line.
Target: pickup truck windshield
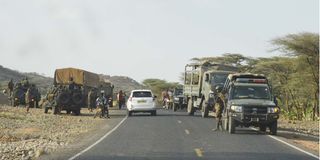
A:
x,y
250,92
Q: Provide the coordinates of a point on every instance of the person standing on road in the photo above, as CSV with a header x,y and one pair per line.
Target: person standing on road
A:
x,y
101,102
10,87
121,99
165,97
219,107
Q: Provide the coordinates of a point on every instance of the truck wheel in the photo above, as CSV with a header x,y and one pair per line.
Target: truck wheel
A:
x,y
190,108
68,111
174,107
46,110
54,110
273,128
225,124
76,112
205,111
77,98
232,126
129,113
262,128
63,98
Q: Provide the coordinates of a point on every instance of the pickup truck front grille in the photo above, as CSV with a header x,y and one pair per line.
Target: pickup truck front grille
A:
x,y
255,110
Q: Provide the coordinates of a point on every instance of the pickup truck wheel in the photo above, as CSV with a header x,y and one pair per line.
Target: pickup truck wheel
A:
x,y
262,128
232,126
273,128
76,112
190,108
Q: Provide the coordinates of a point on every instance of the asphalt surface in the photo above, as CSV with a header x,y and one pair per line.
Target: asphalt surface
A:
x,y
175,135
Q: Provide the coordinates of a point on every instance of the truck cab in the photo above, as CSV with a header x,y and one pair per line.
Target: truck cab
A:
x,y
249,102
201,80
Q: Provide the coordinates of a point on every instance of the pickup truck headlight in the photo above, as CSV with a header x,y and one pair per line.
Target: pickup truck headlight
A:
x,y
236,108
273,109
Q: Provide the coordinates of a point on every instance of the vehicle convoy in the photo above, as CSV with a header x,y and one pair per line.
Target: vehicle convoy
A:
x,y
200,81
71,89
248,101
141,101
178,101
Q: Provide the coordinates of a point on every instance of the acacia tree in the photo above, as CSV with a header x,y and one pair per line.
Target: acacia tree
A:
x,y
304,47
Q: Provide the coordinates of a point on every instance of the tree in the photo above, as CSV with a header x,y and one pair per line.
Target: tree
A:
x,y
304,47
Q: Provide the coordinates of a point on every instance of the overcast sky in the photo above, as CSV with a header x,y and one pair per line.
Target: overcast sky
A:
x,y
143,38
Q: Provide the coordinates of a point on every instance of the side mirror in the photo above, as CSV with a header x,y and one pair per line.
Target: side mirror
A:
x,y
275,100
218,88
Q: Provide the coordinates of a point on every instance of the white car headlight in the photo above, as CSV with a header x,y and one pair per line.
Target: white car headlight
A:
x,y
273,109
236,108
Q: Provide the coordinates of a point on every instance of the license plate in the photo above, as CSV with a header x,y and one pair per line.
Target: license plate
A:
x,y
255,119
141,101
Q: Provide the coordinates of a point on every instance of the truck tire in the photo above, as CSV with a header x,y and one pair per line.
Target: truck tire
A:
x,y
63,98
129,113
273,128
262,128
68,111
205,111
190,108
232,125
174,107
77,98
76,112
46,110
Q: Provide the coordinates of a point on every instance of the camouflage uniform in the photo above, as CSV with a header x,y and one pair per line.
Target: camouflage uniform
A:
x,y
101,102
219,107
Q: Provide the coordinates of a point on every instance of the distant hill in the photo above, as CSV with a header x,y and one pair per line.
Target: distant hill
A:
x,y
120,82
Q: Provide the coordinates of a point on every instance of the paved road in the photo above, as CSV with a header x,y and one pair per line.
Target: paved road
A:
x,y
174,135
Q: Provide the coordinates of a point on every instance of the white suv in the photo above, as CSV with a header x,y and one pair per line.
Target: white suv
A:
x,y
141,101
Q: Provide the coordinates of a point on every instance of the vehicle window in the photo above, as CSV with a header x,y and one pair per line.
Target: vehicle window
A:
x,y
141,94
188,78
195,79
252,92
218,79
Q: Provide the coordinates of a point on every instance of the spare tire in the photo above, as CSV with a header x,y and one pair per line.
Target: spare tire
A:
x,y
63,98
77,98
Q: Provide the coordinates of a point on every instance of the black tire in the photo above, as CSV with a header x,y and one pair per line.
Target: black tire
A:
x,y
68,111
205,111
174,107
77,98
63,98
46,110
273,128
262,128
190,108
76,112
232,125
225,124
153,113
129,113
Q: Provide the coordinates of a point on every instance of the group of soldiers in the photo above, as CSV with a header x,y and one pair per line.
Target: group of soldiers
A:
x,y
23,93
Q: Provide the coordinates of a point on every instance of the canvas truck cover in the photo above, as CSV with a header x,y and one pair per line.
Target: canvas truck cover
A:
x,y
80,77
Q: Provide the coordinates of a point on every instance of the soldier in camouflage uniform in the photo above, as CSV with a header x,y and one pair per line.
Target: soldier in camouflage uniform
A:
x,y
219,107
10,87
101,102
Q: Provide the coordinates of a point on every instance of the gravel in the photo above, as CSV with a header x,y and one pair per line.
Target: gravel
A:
x,y
29,135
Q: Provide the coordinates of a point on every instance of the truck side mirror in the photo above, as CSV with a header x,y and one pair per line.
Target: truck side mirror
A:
x,y
275,100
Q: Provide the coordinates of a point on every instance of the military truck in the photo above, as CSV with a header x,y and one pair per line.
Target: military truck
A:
x,y
200,81
73,85
248,101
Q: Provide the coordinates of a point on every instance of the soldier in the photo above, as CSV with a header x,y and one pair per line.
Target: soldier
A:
x,y
27,98
219,107
100,104
25,83
71,84
91,99
10,87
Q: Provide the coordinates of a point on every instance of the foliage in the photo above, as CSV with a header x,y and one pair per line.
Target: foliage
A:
x,y
158,85
294,76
